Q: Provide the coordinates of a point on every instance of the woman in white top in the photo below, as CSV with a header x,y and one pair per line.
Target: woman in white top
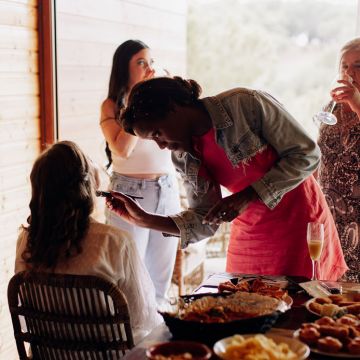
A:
x,y
139,167
61,237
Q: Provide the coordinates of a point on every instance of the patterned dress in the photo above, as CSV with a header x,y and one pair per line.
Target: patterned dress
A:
x,y
340,180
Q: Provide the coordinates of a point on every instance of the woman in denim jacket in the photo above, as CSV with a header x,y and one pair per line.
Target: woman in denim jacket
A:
x,y
245,141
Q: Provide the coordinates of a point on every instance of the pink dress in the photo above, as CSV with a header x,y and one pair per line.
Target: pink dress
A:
x,y
272,242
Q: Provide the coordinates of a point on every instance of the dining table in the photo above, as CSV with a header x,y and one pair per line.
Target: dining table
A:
x,y
287,323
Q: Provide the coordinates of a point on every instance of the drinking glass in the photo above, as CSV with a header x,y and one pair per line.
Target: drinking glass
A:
x,y
327,117
315,241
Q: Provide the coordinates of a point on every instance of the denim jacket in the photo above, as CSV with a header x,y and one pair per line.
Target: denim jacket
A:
x,y
245,122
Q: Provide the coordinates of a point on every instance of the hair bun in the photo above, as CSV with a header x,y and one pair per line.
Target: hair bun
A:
x,y
196,89
191,85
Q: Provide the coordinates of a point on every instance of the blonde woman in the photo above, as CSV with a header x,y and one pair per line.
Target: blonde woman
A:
x,y
339,173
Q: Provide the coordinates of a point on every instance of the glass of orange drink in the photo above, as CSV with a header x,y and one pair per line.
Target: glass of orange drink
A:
x,y
315,241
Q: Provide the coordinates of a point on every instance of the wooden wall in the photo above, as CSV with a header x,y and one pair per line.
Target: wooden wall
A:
x,y
88,32
19,137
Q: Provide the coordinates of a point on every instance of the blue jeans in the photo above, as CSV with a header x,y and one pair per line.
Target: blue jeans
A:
x,y
160,196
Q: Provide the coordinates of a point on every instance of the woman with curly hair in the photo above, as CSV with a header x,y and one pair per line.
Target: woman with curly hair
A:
x,y
246,141
61,237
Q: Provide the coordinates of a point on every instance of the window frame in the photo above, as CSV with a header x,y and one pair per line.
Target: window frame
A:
x,y
47,73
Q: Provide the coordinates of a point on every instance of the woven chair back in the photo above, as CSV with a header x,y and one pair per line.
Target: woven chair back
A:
x,y
58,316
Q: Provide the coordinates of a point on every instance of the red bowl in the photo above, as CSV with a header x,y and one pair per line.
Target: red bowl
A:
x,y
197,350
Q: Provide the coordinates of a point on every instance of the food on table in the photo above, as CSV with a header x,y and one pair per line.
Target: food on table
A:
x,y
329,344
336,299
229,286
330,310
309,335
323,300
337,331
221,309
347,320
184,356
354,346
330,335
326,320
336,305
257,347
254,286
353,309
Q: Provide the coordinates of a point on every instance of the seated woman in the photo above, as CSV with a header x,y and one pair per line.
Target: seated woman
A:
x,y
61,236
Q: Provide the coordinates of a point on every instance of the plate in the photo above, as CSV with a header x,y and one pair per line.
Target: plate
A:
x,y
299,348
197,350
307,305
340,354
347,297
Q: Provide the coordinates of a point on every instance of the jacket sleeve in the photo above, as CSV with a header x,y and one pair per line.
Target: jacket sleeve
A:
x,y
299,155
189,222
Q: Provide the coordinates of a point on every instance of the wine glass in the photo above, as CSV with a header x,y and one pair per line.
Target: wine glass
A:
x,y
327,117
315,241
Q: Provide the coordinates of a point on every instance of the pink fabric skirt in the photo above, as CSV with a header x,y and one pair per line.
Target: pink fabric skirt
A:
x,y
273,242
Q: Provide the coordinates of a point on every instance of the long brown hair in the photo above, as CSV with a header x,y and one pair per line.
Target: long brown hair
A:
x,y
63,186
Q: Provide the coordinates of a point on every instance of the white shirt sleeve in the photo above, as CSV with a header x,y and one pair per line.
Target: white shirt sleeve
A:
x,y
134,280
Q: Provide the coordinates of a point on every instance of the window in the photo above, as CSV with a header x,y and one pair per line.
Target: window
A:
x,y
286,47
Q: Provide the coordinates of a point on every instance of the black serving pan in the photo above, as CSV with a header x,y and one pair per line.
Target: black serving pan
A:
x,y
209,333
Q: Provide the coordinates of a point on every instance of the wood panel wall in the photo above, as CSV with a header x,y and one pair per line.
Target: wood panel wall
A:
x,y
19,138
88,33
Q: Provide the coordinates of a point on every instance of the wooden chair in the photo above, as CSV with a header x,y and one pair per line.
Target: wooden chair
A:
x,y
219,242
68,317
189,267
189,264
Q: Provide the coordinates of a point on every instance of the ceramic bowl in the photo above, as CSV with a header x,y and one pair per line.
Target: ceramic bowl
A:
x,y
197,350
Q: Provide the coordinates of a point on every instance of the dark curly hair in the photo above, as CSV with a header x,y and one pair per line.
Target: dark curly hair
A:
x,y
63,188
119,77
153,99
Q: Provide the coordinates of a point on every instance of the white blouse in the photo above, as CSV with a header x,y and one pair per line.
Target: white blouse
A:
x,y
110,253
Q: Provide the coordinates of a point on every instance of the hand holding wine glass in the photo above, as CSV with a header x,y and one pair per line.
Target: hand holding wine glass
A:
x,y
315,241
346,92
339,87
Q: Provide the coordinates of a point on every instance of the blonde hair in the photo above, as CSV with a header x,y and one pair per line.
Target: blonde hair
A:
x,y
351,45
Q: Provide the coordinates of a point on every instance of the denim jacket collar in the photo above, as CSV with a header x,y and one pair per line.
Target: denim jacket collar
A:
x,y
219,116
191,164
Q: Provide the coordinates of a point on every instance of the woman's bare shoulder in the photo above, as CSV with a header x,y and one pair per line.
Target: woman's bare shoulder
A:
x,y
108,109
108,104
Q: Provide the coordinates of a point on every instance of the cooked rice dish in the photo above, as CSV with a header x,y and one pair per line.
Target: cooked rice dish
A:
x,y
237,306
